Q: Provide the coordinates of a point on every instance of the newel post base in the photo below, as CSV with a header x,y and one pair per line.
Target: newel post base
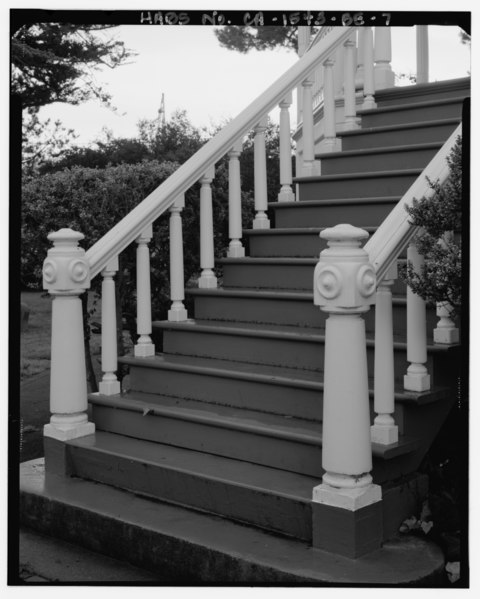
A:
x,y
66,275
347,507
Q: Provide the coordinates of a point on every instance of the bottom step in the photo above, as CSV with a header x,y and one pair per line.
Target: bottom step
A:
x,y
185,547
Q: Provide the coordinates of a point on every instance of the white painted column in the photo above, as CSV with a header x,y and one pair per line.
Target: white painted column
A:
x,y
207,279
310,166
422,53
286,194
177,312
446,332
144,347
360,52
330,142
384,429
109,384
235,248
368,76
384,76
304,34
417,377
66,275
261,220
344,287
350,107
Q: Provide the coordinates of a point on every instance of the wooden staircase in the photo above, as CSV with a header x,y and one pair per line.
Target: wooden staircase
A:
x,y
228,419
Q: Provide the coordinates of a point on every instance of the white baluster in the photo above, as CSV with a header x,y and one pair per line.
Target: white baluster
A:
x,y
177,312
109,384
384,429
422,53
207,279
445,333
417,377
360,57
286,194
330,143
261,220
384,76
144,347
344,287
66,275
368,76
235,248
303,34
310,166
349,86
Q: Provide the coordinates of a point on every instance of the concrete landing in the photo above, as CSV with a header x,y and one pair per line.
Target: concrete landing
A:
x,y
181,546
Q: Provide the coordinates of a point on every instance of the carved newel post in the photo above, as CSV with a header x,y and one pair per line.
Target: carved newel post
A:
x,y
66,275
344,287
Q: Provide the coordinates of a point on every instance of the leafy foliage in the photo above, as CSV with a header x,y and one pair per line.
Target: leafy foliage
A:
x,y
244,39
439,217
54,62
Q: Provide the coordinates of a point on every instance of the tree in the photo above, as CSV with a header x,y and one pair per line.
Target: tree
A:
x,y
439,218
55,62
244,39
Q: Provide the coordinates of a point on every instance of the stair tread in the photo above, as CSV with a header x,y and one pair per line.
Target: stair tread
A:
x,y
410,105
401,127
269,260
271,374
205,465
261,423
336,202
360,175
380,150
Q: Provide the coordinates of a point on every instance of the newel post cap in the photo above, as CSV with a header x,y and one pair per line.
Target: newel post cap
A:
x,y
66,268
344,280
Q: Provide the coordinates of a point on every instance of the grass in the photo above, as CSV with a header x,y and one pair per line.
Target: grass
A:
x,y
35,340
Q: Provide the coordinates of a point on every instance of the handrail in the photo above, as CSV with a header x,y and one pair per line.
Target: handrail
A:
x,y
163,197
395,232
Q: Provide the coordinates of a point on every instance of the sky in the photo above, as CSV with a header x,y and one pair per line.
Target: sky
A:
x,y
188,65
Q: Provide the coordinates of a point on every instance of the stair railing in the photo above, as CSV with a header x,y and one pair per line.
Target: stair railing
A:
x,y
68,270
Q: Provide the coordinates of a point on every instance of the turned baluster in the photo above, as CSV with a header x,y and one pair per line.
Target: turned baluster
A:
x,y
384,76
207,279
330,143
235,248
446,332
384,429
286,194
344,287
349,86
109,384
144,347
368,72
261,220
66,275
177,312
422,53
360,58
309,165
417,377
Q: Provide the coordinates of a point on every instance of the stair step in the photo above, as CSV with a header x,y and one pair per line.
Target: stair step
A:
x,y
399,135
282,307
356,185
378,159
268,273
360,212
413,112
271,440
189,547
423,92
257,495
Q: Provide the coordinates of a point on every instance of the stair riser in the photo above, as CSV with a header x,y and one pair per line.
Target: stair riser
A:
x,y
278,453
291,312
247,394
413,114
277,276
358,214
254,350
397,96
368,187
403,159
252,506
417,135
286,246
